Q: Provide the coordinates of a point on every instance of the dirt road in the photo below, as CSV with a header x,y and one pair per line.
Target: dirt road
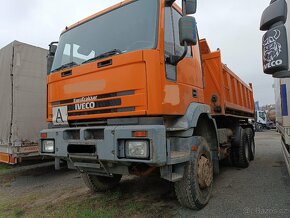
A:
x,y
262,190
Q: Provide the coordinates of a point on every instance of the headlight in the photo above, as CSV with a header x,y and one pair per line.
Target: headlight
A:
x,y
48,146
137,149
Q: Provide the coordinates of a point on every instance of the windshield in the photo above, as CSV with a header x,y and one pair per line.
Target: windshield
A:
x,y
128,28
262,115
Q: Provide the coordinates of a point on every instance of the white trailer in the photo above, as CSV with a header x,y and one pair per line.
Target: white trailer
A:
x,y
282,96
276,61
23,100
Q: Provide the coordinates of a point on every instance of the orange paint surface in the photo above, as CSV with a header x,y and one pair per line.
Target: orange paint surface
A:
x,y
7,158
231,92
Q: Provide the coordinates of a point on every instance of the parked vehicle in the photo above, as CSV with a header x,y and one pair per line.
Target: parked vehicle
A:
x,y
261,120
132,90
276,42
23,100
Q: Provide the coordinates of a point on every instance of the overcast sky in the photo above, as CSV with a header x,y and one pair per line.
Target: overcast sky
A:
x,y
231,25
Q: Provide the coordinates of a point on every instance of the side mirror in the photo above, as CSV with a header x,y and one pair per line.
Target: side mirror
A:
x,y
190,6
276,12
275,51
52,48
50,56
187,31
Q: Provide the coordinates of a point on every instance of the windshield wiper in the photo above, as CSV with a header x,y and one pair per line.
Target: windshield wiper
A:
x,y
104,55
68,65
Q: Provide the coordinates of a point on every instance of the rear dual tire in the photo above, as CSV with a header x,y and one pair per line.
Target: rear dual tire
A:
x,y
245,151
242,152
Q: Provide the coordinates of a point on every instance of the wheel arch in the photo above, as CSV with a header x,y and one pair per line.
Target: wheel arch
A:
x,y
205,121
196,120
207,128
189,119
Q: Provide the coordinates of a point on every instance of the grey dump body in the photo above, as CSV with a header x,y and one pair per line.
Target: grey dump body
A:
x,y
23,100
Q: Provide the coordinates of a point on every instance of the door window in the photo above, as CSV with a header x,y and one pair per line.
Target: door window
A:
x,y
171,40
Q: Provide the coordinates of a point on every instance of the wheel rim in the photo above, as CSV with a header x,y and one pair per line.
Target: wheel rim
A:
x,y
204,172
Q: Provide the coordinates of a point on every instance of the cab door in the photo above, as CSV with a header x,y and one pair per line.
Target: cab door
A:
x,y
187,75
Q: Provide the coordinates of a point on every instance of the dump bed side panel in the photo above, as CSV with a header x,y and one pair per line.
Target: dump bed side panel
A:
x,y
6,55
225,92
29,93
238,95
213,92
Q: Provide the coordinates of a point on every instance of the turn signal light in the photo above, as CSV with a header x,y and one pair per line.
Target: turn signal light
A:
x,y
194,148
140,134
43,135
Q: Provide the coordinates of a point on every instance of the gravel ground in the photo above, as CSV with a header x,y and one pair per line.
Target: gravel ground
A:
x,y
262,190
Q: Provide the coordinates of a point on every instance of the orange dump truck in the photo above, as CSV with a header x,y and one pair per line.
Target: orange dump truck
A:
x,y
132,90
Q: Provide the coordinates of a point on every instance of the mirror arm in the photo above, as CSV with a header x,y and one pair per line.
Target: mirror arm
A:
x,y
51,44
169,3
183,8
50,57
174,59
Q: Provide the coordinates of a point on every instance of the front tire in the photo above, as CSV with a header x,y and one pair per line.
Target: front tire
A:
x,y
194,189
100,183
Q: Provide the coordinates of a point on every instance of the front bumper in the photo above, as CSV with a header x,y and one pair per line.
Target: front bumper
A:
x,y
105,144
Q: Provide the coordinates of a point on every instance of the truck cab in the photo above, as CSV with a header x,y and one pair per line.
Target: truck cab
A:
x,y
123,63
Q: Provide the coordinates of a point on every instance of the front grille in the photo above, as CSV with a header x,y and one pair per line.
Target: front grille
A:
x,y
92,112
98,122
97,97
99,104
96,104
101,111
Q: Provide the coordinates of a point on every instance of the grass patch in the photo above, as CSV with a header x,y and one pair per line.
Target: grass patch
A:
x,y
79,210
109,197
8,209
108,205
133,207
17,206
5,168
85,207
